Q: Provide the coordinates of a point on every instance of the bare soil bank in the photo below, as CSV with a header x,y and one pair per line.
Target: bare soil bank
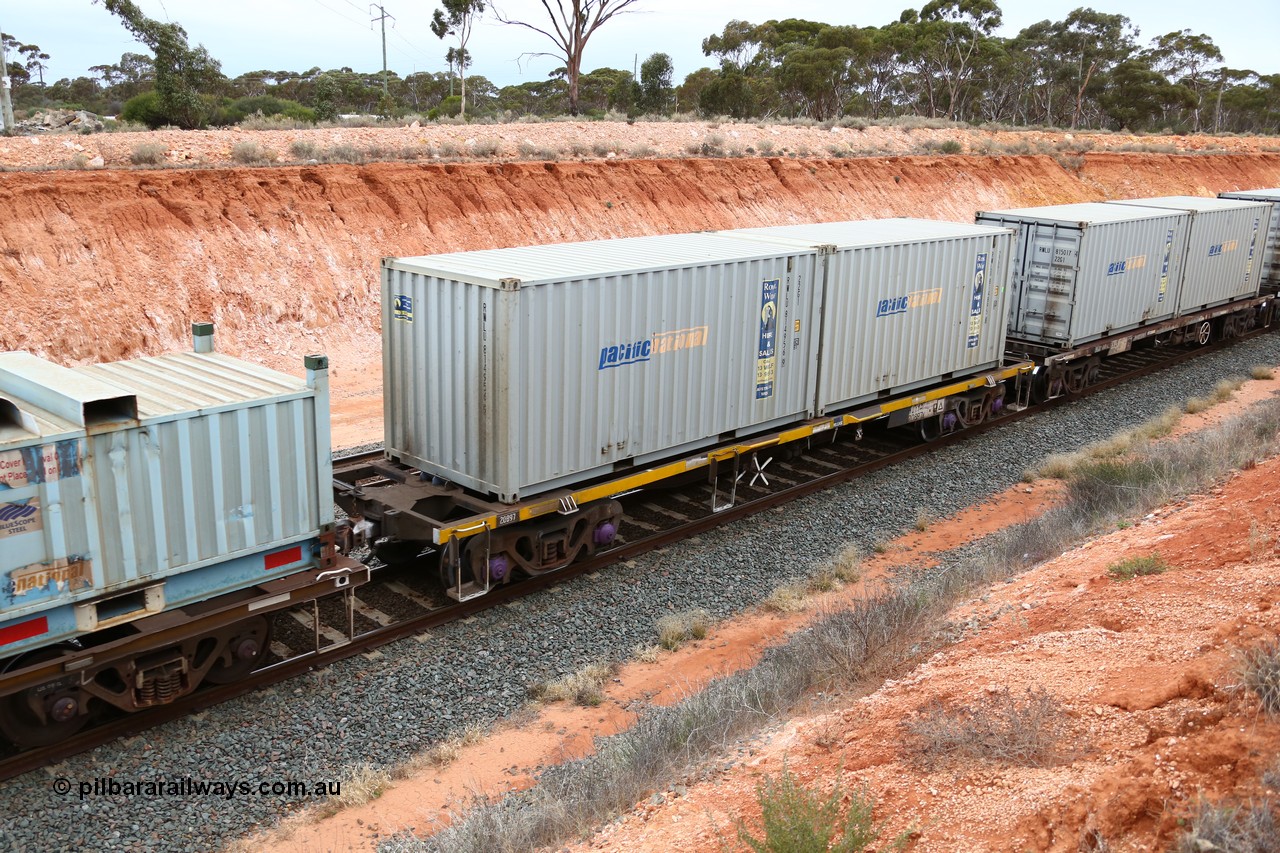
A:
x,y
112,264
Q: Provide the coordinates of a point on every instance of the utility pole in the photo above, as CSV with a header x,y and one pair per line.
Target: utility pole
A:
x,y
5,103
383,18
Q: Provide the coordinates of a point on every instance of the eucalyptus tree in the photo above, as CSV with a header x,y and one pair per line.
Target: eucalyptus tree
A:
x,y
182,72
456,19
571,25
1187,59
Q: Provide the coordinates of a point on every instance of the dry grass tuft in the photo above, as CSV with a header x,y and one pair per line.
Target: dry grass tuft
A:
x,y
674,629
788,598
365,784
847,566
1262,371
584,687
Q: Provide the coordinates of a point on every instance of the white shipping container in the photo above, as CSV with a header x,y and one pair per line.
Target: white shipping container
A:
x,y
518,370
1224,240
118,475
1081,272
1270,263
906,302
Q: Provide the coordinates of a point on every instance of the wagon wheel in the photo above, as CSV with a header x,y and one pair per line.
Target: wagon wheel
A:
x,y
247,647
499,568
20,722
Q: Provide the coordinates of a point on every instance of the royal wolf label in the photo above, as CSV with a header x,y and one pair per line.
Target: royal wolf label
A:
x,y
1164,265
19,517
766,359
403,309
975,300
43,464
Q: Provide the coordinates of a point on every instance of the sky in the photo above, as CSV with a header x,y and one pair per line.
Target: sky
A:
x,y
296,35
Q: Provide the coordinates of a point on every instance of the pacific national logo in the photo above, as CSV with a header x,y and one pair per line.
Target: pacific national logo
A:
x,y
902,304
1137,262
633,352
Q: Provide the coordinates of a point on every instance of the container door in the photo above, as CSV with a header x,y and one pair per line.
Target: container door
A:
x,y
1051,263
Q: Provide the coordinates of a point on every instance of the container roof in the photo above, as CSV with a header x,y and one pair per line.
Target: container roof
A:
x,y
185,382
1188,202
870,232
1261,195
1084,213
533,265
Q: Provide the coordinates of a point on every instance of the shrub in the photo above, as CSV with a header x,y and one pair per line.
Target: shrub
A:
x,y
796,819
144,109
344,154
1261,672
1262,371
1124,570
251,153
486,148
1001,727
303,149
1248,828
951,146
147,154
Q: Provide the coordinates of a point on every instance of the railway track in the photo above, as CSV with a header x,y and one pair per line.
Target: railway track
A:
x,y
406,600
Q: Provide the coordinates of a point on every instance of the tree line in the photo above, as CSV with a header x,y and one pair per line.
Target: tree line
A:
x,y
944,60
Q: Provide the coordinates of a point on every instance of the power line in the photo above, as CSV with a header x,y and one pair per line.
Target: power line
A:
x,y
416,49
340,15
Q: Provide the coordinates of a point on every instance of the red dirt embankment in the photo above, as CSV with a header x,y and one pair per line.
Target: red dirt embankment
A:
x,y
114,264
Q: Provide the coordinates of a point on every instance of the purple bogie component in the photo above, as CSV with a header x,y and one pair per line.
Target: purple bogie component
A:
x,y
997,405
498,567
949,421
605,532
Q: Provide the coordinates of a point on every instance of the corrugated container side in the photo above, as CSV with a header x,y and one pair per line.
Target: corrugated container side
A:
x,y
1075,281
48,521
1223,250
1270,264
220,459
903,316
550,384
906,302
195,490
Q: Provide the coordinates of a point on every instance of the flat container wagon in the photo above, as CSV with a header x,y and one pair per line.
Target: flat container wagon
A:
x,y
523,370
1083,272
1270,258
1222,255
131,490
906,303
